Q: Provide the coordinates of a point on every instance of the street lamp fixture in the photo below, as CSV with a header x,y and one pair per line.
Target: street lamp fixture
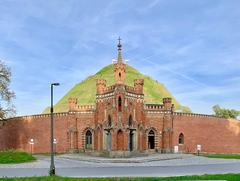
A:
x,y
55,84
31,142
55,146
52,166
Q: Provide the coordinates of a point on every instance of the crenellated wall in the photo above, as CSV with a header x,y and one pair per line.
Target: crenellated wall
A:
x,y
214,134
16,133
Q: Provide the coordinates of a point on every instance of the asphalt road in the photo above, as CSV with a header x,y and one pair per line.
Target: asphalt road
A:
x,y
147,171
73,168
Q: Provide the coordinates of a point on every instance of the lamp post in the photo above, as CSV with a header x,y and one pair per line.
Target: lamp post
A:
x,y
52,167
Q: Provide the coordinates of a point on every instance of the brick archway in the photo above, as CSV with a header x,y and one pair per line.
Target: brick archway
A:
x,y
88,139
120,140
151,139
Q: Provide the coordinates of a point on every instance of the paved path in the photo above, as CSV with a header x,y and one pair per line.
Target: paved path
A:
x,y
154,165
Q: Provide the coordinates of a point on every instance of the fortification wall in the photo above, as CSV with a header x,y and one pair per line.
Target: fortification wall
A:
x,y
83,122
154,121
215,135
16,133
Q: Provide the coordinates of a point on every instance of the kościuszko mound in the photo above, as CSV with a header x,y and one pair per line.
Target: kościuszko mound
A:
x,y
85,91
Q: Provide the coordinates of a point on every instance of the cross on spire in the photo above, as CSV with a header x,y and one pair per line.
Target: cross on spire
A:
x,y
119,50
119,43
119,40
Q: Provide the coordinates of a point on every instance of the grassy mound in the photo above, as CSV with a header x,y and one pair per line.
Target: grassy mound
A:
x,y
85,91
14,156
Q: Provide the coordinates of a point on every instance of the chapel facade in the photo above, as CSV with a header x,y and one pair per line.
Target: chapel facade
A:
x,y
121,117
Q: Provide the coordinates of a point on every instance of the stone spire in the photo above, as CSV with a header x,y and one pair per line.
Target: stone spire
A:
x,y
119,67
119,50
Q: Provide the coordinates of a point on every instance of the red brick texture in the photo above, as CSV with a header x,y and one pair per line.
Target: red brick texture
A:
x,y
215,135
68,130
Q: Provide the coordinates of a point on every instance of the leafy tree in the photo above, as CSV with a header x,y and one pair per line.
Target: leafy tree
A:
x,y
225,113
6,95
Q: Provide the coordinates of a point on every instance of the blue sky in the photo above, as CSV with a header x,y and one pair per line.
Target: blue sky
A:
x,y
192,47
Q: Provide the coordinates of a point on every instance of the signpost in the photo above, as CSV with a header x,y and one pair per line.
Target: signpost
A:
x,y
31,142
199,148
175,149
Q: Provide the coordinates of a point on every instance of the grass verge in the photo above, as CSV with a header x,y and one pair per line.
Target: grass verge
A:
x,y
225,156
14,156
229,177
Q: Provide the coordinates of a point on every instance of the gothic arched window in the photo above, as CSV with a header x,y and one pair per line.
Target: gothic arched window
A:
x,y
109,121
130,121
181,138
119,104
88,139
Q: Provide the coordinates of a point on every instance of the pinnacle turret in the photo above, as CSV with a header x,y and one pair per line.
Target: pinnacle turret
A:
x,y
119,67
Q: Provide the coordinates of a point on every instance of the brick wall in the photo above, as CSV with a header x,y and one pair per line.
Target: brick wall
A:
x,y
216,135
16,133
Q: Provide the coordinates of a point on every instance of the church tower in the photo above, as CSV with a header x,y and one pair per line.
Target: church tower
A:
x,y
119,67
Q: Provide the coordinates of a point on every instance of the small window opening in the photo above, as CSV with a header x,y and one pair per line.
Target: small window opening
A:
x,y
181,139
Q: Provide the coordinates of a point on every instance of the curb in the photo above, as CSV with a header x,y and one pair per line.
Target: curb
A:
x,y
95,160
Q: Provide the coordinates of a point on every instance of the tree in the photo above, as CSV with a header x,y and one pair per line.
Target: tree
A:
x,y
225,113
6,95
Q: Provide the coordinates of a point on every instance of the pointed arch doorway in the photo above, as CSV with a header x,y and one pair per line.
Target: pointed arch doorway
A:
x,y
88,140
151,140
120,142
131,140
131,134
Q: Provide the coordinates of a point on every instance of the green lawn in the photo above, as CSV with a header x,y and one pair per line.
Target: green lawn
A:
x,y
226,156
203,177
14,156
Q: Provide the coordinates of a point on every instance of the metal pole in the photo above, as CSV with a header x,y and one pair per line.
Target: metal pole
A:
x,y
52,167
